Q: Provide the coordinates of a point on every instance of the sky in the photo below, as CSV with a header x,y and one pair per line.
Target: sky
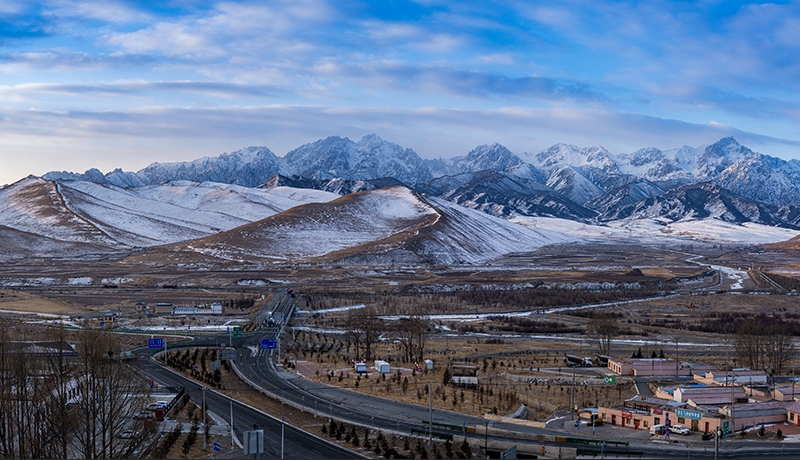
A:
x,y
121,84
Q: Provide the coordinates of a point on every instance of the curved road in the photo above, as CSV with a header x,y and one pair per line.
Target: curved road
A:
x,y
297,443
258,367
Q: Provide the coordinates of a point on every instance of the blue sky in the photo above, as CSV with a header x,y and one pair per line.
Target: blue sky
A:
x,y
111,84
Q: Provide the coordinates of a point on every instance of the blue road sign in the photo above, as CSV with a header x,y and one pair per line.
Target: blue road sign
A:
x,y
216,447
269,344
155,343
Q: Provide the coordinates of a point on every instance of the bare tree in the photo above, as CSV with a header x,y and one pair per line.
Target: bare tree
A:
x,y
762,345
779,348
108,395
412,332
373,327
364,328
603,326
748,344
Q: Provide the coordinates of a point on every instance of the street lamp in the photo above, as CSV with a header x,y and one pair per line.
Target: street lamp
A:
x,y
283,428
205,431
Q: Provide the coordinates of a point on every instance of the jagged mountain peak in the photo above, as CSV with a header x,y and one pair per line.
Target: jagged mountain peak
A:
x,y
719,156
572,155
485,157
369,158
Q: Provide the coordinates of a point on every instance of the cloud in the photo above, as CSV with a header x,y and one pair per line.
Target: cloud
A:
x,y
60,59
104,10
135,88
254,30
432,79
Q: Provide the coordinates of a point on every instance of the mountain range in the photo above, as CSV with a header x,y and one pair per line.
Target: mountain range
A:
x,y
214,206
562,181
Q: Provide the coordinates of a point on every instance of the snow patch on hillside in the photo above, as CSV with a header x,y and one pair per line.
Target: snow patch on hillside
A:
x,y
656,231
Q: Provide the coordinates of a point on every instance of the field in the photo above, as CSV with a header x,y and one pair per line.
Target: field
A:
x,y
514,320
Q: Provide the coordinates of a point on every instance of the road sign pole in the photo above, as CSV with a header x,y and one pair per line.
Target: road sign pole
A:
x,y
166,355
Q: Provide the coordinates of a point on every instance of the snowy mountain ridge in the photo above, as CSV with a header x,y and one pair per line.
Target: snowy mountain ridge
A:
x,y
173,203
581,174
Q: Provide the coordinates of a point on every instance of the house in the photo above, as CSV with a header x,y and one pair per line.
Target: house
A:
x,y
732,377
753,414
163,308
464,375
793,414
786,392
652,367
709,395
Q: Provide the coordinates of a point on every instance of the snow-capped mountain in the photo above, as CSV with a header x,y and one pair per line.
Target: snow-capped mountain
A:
x,y
79,217
369,158
377,226
493,157
565,154
248,167
203,199
706,200
505,194
763,178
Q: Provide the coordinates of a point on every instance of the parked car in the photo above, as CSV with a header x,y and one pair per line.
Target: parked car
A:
x,y
657,430
679,429
127,434
157,405
144,415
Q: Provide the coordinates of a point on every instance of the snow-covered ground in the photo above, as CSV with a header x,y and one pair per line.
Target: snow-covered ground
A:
x,y
657,231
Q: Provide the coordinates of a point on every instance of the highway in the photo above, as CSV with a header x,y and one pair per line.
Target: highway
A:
x,y
297,443
257,366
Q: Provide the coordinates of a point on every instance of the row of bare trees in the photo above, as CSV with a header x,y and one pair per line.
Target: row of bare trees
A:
x,y
761,345
758,343
57,405
365,328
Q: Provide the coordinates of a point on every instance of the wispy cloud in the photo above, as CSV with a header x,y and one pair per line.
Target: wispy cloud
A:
x,y
132,88
525,73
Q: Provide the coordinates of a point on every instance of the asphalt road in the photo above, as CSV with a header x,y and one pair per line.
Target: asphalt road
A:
x,y
257,365
297,443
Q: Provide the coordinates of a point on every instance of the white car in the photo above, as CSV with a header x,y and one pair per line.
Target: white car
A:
x,y
127,434
157,405
679,429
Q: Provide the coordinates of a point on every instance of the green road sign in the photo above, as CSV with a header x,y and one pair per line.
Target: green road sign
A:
x,y
237,332
725,429
610,380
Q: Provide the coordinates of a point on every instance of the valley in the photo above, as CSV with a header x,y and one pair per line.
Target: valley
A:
x,y
500,273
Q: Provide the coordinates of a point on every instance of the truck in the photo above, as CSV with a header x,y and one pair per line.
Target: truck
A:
x,y
602,360
576,361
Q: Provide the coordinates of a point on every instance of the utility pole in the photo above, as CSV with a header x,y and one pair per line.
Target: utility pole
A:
x,y
430,412
205,431
733,402
572,397
486,442
677,361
